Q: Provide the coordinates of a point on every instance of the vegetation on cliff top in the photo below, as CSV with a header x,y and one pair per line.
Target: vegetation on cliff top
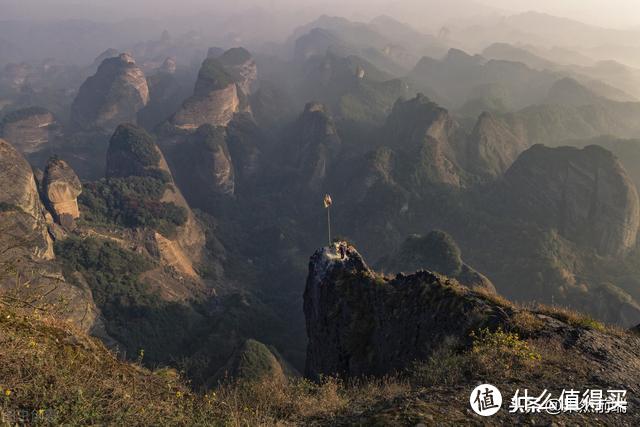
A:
x,y
131,202
134,139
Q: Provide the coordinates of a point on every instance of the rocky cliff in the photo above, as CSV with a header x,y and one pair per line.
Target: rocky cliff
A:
x,y
239,63
493,146
112,96
61,187
214,101
133,152
204,165
29,278
20,207
315,145
29,130
429,137
585,194
360,323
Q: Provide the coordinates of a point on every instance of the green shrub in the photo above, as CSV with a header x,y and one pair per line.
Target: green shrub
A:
x,y
134,139
134,315
502,345
131,202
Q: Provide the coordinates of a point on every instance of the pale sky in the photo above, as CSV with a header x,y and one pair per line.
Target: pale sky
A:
x,y
611,13
608,13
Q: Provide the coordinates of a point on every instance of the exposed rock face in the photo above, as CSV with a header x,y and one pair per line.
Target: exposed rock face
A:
x,y
493,146
21,212
29,130
438,252
133,152
428,135
215,99
61,187
206,165
168,66
242,67
316,144
583,193
112,96
359,323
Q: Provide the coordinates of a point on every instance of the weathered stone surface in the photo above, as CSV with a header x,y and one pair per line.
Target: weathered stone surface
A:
x,y
29,130
61,188
21,213
315,144
493,146
112,96
360,323
27,270
429,136
206,163
240,64
215,99
583,193
133,152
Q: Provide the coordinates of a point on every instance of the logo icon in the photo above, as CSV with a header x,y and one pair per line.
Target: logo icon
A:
x,y
485,400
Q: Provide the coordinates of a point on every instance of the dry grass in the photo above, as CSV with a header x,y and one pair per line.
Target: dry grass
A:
x,y
526,323
51,374
495,298
569,316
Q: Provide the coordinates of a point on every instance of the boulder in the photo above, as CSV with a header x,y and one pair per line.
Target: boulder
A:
x,y
61,187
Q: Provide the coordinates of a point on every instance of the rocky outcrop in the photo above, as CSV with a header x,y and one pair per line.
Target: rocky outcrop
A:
x,y
214,101
29,130
429,137
493,146
61,187
133,152
315,145
22,214
585,194
438,252
205,165
360,323
239,63
27,270
112,96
